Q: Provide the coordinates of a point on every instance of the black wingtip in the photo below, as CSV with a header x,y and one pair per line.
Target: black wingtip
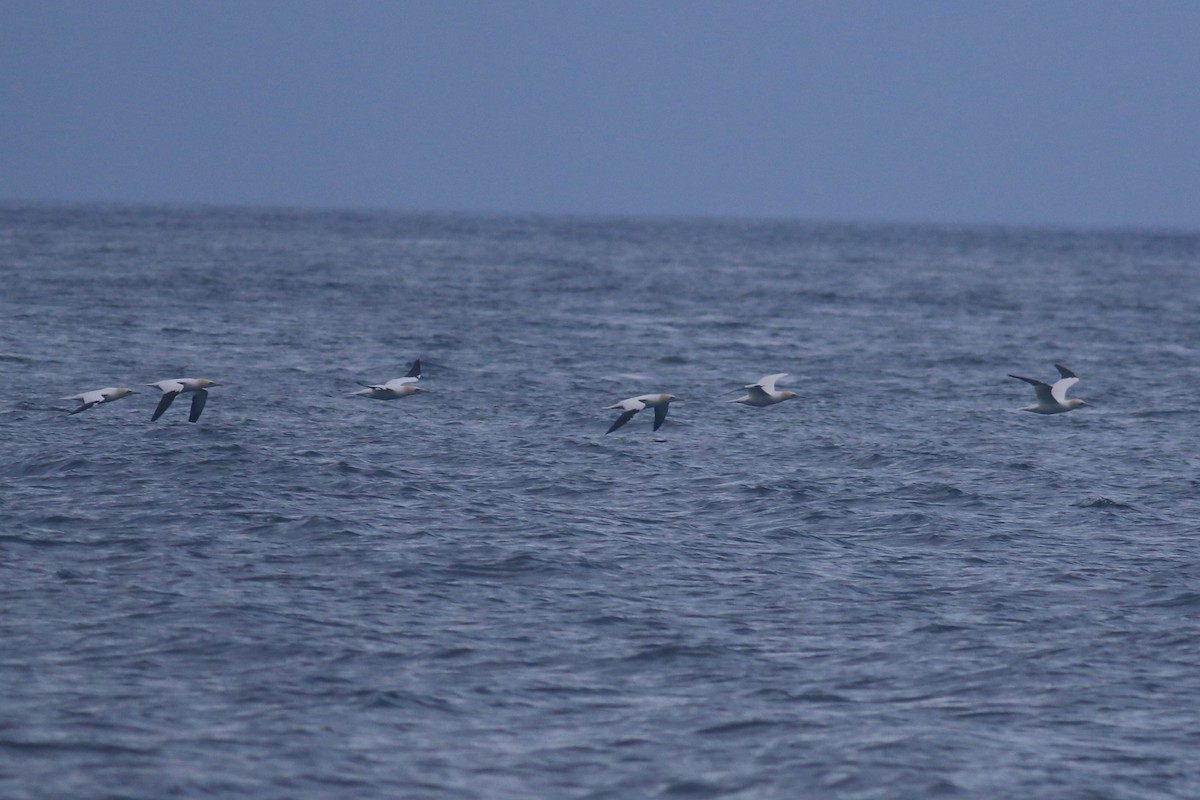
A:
x,y
198,401
621,420
163,404
1063,371
415,370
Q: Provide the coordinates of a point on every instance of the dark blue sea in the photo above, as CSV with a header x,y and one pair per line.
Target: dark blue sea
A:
x,y
895,586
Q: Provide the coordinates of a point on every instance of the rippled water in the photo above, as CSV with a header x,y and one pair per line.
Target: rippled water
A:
x,y
895,586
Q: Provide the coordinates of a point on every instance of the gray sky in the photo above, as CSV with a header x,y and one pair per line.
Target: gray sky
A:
x,y
1046,112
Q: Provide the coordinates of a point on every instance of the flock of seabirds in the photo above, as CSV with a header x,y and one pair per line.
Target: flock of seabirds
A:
x,y
1051,398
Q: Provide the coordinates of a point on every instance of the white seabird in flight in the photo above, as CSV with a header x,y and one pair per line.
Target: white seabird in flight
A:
x,y
763,393
98,396
177,386
1053,399
659,402
395,388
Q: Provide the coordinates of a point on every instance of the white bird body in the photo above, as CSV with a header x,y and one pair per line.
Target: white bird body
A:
x,y
98,396
763,392
632,405
395,388
1053,399
173,387
392,390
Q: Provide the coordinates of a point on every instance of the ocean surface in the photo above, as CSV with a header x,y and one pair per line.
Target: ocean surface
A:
x,y
895,586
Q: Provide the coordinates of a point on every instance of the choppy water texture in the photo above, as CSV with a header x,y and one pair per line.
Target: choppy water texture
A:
x,y
895,586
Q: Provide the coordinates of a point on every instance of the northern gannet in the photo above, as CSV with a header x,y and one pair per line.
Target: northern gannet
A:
x,y
1053,399
631,406
763,392
395,388
98,396
177,386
